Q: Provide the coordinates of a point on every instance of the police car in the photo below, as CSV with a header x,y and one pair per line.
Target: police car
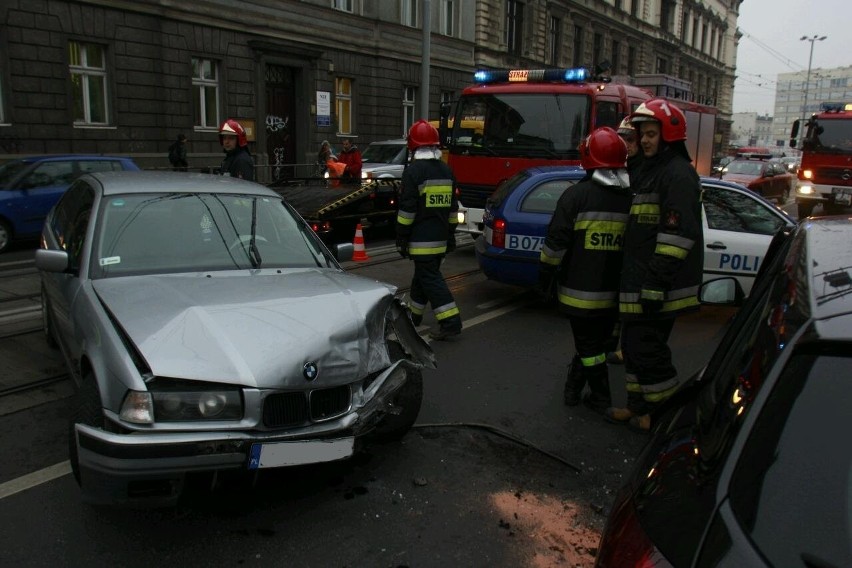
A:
x,y
738,226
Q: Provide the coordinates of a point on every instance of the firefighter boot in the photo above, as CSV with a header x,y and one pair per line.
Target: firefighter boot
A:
x,y
598,399
575,382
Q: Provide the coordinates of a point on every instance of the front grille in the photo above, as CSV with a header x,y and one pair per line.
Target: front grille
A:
x,y
833,175
474,195
282,410
328,403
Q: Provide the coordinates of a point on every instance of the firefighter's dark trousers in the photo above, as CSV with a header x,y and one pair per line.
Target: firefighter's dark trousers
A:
x,y
429,287
593,337
651,377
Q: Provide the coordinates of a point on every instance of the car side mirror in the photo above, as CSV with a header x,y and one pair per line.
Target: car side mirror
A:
x,y
725,291
343,251
51,260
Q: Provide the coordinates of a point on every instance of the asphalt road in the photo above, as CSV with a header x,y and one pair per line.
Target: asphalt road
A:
x,y
497,471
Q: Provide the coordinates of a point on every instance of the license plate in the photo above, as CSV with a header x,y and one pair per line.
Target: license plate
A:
x,y
280,454
842,195
524,242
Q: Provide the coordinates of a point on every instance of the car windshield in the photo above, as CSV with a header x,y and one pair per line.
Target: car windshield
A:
x,y
745,168
10,171
524,125
188,232
384,153
832,135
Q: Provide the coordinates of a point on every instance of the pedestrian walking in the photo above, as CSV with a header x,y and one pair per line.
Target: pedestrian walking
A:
x,y
663,258
425,229
583,253
238,162
324,155
177,154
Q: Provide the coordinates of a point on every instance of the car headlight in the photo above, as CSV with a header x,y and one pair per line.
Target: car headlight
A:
x,y
366,175
181,406
805,189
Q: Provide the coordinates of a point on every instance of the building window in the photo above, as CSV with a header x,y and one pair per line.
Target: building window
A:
x,y
343,5
205,86
619,5
514,26
704,38
666,13
343,102
409,100
684,27
631,61
597,45
409,13
615,57
634,8
87,64
662,65
554,40
577,59
694,38
447,17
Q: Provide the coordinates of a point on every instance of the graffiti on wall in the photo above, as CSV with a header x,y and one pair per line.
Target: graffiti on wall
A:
x,y
278,136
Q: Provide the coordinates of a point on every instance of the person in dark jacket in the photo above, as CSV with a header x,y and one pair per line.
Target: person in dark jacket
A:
x,y
238,162
663,259
425,229
177,154
584,247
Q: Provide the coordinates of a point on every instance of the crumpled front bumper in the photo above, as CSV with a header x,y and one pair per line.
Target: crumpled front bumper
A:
x,y
151,467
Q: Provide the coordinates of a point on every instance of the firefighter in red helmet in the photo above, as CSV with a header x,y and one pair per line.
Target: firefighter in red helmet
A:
x,y
663,259
425,229
581,259
238,162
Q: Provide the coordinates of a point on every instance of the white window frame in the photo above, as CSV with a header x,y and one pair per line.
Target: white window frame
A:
x,y
343,104
91,77
343,5
447,17
409,107
409,12
202,85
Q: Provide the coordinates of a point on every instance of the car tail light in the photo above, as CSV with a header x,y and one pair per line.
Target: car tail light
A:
x,y
498,233
624,543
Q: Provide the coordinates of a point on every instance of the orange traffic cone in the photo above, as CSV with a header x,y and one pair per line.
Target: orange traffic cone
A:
x,y
360,254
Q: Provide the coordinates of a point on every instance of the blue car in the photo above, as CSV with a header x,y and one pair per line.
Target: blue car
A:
x,y
29,187
738,226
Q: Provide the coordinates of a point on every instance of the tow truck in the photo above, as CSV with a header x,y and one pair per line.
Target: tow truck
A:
x,y
510,120
825,174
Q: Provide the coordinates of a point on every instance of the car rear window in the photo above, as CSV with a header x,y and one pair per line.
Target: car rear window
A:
x,y
87,166
792,486
543,198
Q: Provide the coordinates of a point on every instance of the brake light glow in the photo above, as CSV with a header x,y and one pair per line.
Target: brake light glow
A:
x,y
625,544
498,233
576,75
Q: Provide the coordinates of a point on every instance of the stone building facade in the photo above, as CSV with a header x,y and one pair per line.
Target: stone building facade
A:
x,y
122,77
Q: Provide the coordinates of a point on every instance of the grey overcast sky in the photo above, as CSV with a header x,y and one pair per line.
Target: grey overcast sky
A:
x,y
771,44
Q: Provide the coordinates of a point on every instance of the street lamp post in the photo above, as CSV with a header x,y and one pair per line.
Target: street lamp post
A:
x,y
812,39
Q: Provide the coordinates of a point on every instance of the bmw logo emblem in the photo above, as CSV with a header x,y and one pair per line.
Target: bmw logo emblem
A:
x,y
310,370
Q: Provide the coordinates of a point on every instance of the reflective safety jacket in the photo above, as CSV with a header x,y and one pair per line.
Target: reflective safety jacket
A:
x,y
664,243
585,240
428,207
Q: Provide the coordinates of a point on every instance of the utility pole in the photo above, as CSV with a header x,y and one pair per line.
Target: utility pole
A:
x,y
812,39
426,61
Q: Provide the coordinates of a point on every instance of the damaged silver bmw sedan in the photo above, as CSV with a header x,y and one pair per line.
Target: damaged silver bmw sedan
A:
x,y
209,329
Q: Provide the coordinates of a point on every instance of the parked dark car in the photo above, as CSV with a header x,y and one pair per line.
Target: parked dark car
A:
x,y
749,464
768,178
29,187
738,226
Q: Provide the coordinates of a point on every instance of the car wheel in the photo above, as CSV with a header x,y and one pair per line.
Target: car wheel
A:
x,y
47,322
805,209
409,398
88,410
5,235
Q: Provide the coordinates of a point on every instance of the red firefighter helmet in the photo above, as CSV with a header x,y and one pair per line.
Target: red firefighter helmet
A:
x,y
671,119
422,133
233,128
603,148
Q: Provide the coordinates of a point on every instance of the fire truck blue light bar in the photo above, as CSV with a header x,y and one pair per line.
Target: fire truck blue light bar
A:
x,y
576,75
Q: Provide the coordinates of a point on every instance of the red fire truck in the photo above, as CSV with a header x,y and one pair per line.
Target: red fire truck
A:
x,y
510,120
825,174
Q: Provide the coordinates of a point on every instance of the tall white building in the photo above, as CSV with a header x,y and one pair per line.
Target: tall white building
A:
x,y
826,85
